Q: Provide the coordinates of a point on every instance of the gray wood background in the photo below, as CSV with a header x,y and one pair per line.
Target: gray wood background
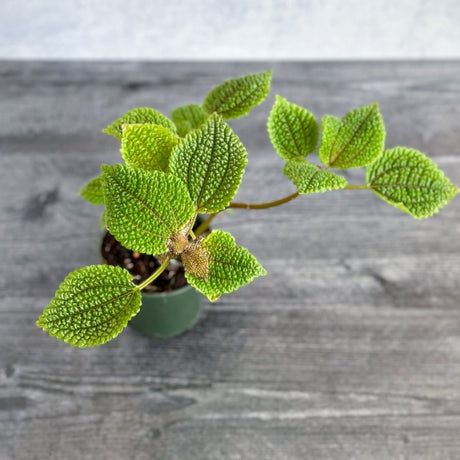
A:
x,y
350,348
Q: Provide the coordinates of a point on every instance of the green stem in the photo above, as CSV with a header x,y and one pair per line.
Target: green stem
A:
x,y
270,204
154,275
357,187
205,224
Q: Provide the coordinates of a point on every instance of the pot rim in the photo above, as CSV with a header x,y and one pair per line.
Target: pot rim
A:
x,y
172,293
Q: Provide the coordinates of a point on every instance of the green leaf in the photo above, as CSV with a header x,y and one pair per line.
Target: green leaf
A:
x,y
91,306
210,162
147,146
92,190
353,141
292,129
136,116
308,178
103,219
145,208
410,181
229,266
187,118
235,98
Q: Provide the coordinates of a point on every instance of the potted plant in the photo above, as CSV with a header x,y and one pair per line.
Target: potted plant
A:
x,y
176,170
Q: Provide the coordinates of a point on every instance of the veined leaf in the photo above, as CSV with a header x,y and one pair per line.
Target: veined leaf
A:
x,y
229,266
135,116
210,162
235,98
147,146
308,178
145,208
187,118
92,190
91,306
353,141
410,181
292,129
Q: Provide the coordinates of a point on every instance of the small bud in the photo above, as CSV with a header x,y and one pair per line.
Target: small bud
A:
x,y
177,244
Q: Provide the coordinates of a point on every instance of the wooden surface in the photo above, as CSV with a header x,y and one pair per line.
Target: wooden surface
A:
x,y
350,348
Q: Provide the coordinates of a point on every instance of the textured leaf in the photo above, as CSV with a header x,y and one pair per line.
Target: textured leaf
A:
x,y
187,118
210,161
147,146
136,116
235,98
145,209
229,266
92,190
292,129
353,141
91,306
195,259
410,181
308,178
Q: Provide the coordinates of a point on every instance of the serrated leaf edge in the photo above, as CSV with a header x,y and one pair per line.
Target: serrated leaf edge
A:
x,y
62,335
341,178
261,272
201,207
332,164
281,100
269,73
401,206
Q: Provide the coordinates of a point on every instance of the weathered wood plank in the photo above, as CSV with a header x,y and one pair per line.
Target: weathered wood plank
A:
x,y
46,106
351,351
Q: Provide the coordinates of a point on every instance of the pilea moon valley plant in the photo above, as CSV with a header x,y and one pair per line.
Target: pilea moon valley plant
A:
x,y
193,164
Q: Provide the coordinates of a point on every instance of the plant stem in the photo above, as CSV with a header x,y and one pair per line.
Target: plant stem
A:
x,y
154,275
270,204
357,187
205,224
192,234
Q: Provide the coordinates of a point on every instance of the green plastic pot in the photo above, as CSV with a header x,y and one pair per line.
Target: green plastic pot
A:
x,y
166,314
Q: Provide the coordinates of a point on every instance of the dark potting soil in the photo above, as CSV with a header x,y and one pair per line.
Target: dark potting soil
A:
x,y
141,266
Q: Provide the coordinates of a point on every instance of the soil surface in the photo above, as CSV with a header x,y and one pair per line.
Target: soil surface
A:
x,y
141,266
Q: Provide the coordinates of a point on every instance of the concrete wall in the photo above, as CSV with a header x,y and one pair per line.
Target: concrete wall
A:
x,y
229,29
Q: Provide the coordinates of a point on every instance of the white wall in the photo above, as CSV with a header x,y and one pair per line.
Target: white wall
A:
x,y
229,29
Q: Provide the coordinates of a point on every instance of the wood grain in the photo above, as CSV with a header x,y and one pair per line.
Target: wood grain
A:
x,y
350,348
